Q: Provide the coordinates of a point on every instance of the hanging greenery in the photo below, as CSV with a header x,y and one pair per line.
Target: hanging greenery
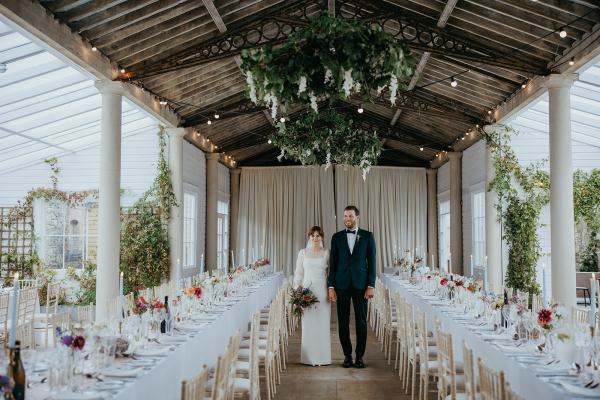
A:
x,y
586,200
333,58
144,232
521,195
326,138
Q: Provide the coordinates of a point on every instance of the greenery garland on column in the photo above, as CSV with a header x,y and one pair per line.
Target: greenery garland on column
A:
x,y
144,231
521,193
586,199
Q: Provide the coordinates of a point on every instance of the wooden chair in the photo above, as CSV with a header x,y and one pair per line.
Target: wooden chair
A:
x,y
195,389
449,380
469,370
85,314
491,383
400,332
4,301
44,321
60,320
26,335
427,358
28,283
579,316
128,301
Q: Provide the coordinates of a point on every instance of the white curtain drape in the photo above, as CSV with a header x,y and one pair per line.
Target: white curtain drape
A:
x,y
392,203
277,207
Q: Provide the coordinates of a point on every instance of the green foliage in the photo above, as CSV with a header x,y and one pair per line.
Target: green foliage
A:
x,y
144,231
333,58
53,163
45,276
586,200
87,283
325,138
521,193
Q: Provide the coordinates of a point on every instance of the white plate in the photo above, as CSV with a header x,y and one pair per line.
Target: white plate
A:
x,y
122,373
580,390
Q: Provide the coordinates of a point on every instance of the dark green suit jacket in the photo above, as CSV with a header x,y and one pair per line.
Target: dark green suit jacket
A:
x,y
352,270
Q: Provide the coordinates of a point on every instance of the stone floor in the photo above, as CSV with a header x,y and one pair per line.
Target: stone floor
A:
x,y
378,381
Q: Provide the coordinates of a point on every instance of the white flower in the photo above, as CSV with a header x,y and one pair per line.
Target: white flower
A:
x,y
357,86
313,102
393,89
302,85
380,89
280,156
273,103
328,75
250,82
328,161
348,82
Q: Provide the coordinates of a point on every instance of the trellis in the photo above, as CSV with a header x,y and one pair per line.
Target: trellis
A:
x,y
16,240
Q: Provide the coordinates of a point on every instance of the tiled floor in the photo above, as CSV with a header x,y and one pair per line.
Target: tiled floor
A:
x,y
379,381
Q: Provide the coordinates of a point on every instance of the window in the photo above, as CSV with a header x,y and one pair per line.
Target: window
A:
x,y
444,228
190,226
478,210
222,235
65,234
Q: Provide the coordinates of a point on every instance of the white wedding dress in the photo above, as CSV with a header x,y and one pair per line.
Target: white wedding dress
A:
x,y
311,272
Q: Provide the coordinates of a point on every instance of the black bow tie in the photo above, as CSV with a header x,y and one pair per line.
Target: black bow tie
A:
x,y
349,231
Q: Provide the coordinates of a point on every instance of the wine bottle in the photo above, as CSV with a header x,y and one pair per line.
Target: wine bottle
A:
x,y
163,324
17,372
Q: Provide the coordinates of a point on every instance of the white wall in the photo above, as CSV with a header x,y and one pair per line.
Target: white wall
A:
x,y
224,183
194,179
81,171
443,179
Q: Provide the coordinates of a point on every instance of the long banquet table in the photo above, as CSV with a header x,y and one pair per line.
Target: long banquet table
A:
x,y
522,378
163,380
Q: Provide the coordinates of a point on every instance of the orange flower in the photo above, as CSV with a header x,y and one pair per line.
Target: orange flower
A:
x,y
190,291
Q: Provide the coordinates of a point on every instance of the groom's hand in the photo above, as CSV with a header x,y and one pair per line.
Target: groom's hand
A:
x,y
331,295
369,293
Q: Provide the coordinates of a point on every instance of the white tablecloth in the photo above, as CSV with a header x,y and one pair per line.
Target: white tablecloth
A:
x,y
163,380
521,378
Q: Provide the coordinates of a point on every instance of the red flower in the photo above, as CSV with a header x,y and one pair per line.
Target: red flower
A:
x,y
78,343
198,292
444,281
544,317
143,300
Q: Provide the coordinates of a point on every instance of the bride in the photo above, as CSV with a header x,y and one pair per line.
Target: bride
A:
x,y
311,272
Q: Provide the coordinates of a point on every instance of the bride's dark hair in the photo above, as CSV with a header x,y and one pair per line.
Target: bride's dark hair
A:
x,y
316,229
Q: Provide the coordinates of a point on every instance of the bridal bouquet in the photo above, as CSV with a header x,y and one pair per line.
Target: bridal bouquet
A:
x,y
301,300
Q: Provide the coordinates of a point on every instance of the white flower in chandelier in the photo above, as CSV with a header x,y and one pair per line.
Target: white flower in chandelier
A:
x,y
348,82
328,161
272,103
302,85
252,85
280,156
313,102
328,75
393,89
380,89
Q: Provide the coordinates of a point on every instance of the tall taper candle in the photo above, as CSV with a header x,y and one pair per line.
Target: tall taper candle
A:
x,y
544,293
13,312
485,274
450,263
178,275
471,265
202,263
232,259
592,317
120,310
433,262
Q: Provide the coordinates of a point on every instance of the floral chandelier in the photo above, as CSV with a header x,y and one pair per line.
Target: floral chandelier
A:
x,y
331,58
326,138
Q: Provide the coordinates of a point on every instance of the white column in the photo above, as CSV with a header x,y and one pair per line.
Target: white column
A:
x,y
493,229
456,211
109,198
212,189
432,217
176,224
562,229
235,205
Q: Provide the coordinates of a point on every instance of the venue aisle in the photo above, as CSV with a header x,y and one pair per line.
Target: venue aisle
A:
x,y
530,373
157,372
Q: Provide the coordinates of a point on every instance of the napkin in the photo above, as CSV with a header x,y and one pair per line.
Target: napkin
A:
x,y
152,352
580,390
122,373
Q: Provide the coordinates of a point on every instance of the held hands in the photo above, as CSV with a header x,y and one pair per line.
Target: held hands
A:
x,y
331,295
369,293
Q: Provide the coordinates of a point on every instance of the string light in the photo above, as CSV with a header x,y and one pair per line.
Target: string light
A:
x,y
209,122
217,115
421,148
524,84
562,33
163,102
122,70
453,82
94,48
269,141
282,119
572,61
360,109
489,112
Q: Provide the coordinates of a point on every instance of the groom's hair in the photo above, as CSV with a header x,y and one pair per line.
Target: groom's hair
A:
x,y
352,208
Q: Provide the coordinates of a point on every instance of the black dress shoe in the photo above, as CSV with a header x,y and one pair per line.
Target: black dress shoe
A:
x,y
359,363
347,362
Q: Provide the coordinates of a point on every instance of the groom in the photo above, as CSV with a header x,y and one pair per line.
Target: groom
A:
x,y
351,278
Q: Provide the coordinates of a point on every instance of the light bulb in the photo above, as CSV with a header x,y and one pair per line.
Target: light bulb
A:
x,y
163,102
269,141
572,61
453,82
360,109
421,148
489,111
282,119
217,115
122,70
94,48
209,122
562,33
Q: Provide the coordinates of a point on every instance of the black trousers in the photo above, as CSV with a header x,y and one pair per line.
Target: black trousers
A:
x,y
357,297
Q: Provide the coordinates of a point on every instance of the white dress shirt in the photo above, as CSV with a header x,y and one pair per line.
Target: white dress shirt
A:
x,y
352,239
